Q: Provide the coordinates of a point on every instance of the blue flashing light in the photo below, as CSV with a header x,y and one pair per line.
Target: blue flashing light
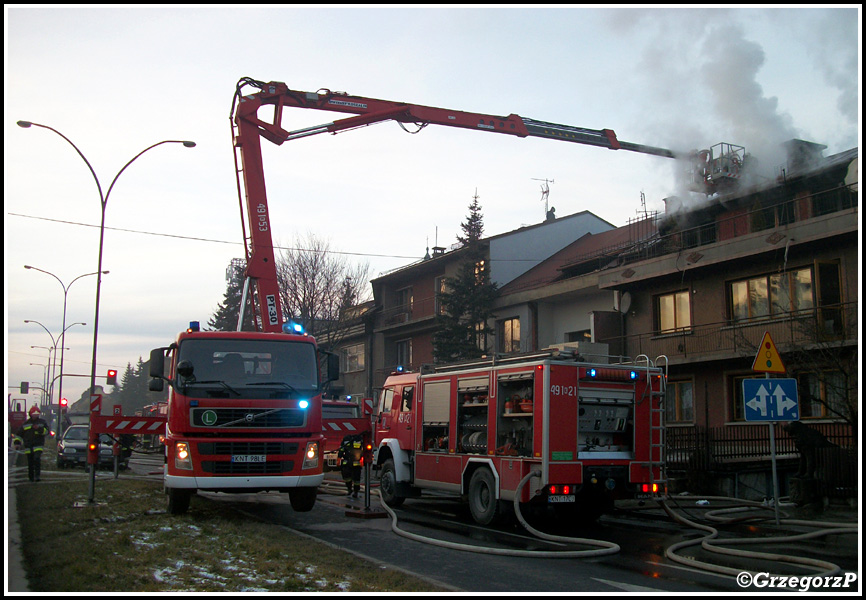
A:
x,y
303,404
193,326
592,372
633,374
399,368
292,327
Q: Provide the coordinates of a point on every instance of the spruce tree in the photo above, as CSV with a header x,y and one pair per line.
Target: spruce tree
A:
x,y
226,316
467,301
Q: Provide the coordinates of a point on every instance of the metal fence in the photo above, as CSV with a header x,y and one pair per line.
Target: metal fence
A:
x,y
724,449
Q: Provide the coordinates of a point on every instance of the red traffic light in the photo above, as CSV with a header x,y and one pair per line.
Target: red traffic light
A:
x,y
64,402
112,377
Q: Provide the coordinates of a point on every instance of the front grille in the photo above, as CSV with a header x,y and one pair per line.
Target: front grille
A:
x,y
209,448
220,467
247,418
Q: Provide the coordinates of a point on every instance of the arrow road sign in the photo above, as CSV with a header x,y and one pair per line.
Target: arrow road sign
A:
x,y
771,400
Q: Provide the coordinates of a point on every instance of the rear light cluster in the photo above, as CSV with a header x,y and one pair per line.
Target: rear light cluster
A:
x,y
564,489
650,488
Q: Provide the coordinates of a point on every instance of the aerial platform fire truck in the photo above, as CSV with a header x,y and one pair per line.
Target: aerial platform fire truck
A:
x,y
258,425
593,432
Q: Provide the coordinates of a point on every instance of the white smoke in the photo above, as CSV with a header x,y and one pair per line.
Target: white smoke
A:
x,y
699,78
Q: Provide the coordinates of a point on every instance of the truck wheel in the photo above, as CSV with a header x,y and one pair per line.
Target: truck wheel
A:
x,y
178,500
388,485
302,499
482,497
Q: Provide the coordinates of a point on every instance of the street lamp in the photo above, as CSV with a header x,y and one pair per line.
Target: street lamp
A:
x,y
54,342
62,335
45,399
103,200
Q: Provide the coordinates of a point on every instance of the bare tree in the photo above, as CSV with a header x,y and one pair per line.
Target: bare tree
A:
x,y
317,285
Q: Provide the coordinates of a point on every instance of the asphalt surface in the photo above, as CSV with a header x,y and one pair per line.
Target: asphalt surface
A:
x,y
16,580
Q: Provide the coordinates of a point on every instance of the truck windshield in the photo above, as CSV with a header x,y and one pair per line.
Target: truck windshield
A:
x,y
241,368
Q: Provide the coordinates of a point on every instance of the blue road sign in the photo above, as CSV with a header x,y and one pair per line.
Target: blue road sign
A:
x,y
771,400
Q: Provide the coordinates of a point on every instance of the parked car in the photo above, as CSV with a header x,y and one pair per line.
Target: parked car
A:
x,y
72,448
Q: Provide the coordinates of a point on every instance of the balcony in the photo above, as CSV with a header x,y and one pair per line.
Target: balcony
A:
x,y
830,326
418,311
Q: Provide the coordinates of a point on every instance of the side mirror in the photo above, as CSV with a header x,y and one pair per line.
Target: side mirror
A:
x,y
156,385
333,367
157,362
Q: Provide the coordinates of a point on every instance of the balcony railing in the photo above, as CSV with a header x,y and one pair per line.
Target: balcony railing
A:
x,y
832,325
696,449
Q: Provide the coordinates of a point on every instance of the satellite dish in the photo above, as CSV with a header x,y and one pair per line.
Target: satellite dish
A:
x,y
625,302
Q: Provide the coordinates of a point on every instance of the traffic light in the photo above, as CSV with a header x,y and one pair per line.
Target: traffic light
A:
x,y
112,377
25,387
64,403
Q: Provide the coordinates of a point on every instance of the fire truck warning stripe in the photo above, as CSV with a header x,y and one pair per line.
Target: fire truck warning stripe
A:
x,y
337,426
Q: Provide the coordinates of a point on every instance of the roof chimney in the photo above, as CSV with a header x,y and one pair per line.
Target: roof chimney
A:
x,y
803,155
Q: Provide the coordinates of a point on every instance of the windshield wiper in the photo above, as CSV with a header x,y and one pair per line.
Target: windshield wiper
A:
x,y
222,383
282,383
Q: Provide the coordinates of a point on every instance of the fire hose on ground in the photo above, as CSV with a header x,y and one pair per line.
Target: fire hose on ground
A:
x,y
709,542
603,547
712,544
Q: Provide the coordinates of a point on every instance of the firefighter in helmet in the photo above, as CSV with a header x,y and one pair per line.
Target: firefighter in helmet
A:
x,y
33,433
350,463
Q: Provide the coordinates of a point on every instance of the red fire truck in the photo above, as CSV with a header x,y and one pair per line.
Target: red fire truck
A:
x,y
244,414
594,432
339,419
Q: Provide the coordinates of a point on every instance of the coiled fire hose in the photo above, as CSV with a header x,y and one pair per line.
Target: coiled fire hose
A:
x,y
710,542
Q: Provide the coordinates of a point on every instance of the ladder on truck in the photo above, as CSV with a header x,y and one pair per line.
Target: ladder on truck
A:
x,y
657,455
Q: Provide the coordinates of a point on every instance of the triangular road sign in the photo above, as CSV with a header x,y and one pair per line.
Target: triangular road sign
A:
x,y
767,360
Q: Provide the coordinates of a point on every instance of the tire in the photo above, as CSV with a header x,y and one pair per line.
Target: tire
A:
x,y
302,499
388,485
483,503
178,500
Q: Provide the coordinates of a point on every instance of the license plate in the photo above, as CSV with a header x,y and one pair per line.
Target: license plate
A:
x,y
249,458
560,498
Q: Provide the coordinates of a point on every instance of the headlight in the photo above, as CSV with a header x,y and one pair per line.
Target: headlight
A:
x,y
182,458
311,456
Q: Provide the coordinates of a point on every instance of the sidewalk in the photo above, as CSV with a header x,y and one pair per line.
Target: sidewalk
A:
x,y
16,580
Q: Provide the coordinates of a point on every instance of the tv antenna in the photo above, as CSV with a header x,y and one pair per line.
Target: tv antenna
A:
x,y
545,192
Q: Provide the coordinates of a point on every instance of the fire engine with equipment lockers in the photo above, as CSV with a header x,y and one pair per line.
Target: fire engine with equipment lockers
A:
x,y
245,408
593,432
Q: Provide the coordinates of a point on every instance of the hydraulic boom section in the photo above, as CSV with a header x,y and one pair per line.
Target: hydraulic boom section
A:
x,y
248,128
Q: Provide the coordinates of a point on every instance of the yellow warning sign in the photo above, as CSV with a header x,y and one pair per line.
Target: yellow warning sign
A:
x,y
768,360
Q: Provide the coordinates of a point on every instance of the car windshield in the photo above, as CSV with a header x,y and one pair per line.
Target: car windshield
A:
x,y
76,434
248,368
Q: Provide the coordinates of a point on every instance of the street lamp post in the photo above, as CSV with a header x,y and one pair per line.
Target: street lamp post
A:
x,y
103,199
50,388
50,364
62,337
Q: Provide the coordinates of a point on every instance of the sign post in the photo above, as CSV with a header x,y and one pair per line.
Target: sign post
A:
x,y
770,400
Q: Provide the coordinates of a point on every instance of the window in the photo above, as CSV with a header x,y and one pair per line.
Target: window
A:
x,y
404,353
481,336
737,408
673,312
822,394
404,299
771,296
353,358
680,402
509,335
439,290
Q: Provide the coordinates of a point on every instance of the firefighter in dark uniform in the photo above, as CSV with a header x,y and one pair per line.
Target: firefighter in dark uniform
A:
x,y
33,433
350,463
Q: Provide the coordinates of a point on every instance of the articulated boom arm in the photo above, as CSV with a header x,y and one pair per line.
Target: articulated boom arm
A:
x,y
248,128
